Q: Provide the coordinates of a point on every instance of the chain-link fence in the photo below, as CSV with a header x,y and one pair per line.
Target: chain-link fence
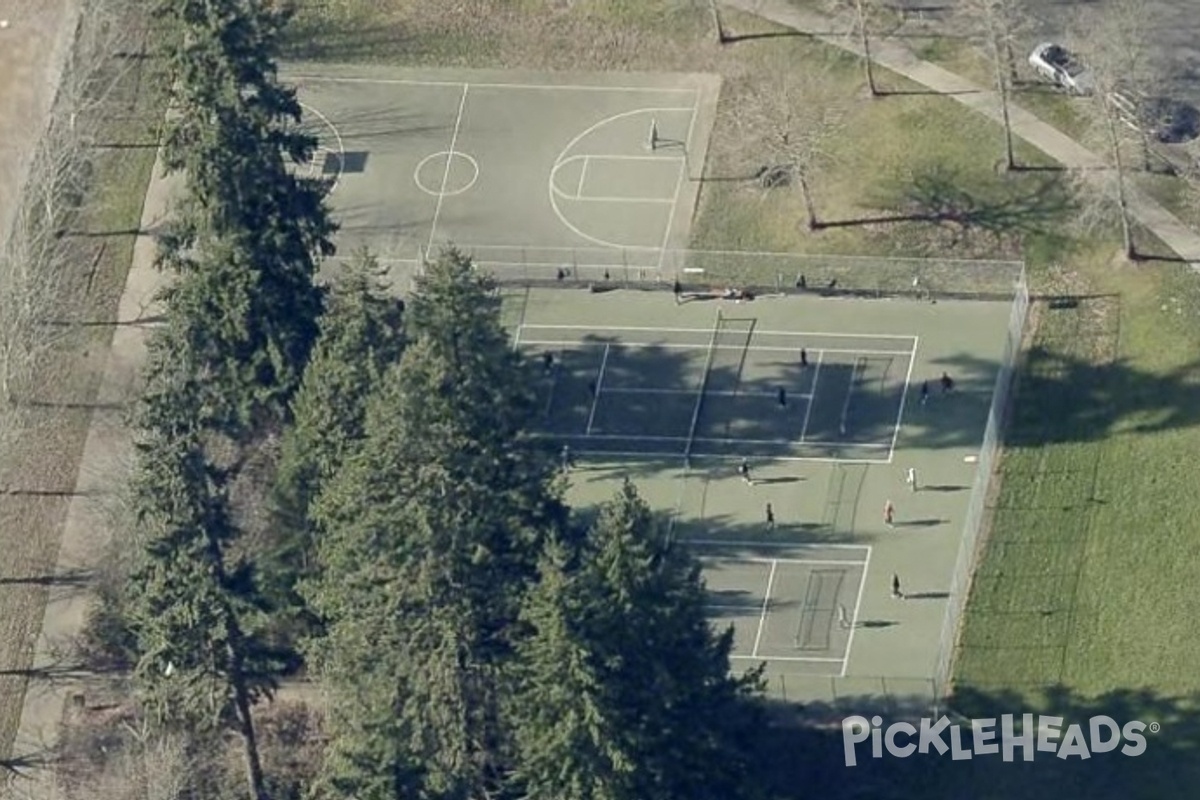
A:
x,y
969,547
721,271
829,700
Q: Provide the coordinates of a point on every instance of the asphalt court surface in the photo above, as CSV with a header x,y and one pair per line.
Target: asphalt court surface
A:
x,y
658,351
500,164
703,393
795,609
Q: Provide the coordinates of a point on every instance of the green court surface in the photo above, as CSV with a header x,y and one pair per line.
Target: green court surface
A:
x,y
554,175
677,395
515,168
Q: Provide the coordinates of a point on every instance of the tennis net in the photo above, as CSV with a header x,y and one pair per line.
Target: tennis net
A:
x,y
708,361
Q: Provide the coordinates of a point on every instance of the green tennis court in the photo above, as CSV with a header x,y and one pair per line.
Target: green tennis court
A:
x,y
798,559
732,390
793,609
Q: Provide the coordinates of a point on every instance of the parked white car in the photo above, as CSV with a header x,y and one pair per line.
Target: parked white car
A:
x,y
1055,62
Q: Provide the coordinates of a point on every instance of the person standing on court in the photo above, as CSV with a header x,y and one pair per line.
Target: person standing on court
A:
x,y
770,518
911,479
889,514
782,398
678,289
896,593
567,461
803,357
947,382
744,471
547,361
924,391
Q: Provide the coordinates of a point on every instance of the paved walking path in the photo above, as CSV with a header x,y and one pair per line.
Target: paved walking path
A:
x,y
896,56
106,458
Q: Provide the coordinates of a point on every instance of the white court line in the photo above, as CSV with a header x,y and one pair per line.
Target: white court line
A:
x,y
675,346
292,78
580,196
596,394
582,174
614,199
712,440
627,455
785,658
751,560
591,329
808,409
610,157
762,618
563,157
793,546
707,392
679,176
912,359
336,135
857,604
437,210
608,436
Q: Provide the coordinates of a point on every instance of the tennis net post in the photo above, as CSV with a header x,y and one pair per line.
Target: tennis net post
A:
x,y
708,361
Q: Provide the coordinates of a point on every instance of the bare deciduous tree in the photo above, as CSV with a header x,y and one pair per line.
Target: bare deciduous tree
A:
x,y
110,754
44,268
863,16
996,24
786,124
1191,177
1116,45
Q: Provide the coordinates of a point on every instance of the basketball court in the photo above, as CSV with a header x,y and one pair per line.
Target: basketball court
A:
x,y
514,169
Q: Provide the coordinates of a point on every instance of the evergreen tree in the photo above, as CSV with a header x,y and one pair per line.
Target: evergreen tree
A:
x,y
196,609
430,534
248,236
626,691
361,337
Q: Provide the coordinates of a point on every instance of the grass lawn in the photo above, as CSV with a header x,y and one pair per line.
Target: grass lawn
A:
x,y
1086,594
1084,601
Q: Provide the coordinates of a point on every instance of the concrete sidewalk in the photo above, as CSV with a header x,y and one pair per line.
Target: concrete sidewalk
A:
x,y
103,470
896,56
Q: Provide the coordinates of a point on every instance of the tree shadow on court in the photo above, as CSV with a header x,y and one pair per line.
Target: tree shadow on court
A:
x,y
740,538
803,753
1071,385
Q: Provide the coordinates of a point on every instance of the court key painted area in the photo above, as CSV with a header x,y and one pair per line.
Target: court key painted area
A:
x,y
510,167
